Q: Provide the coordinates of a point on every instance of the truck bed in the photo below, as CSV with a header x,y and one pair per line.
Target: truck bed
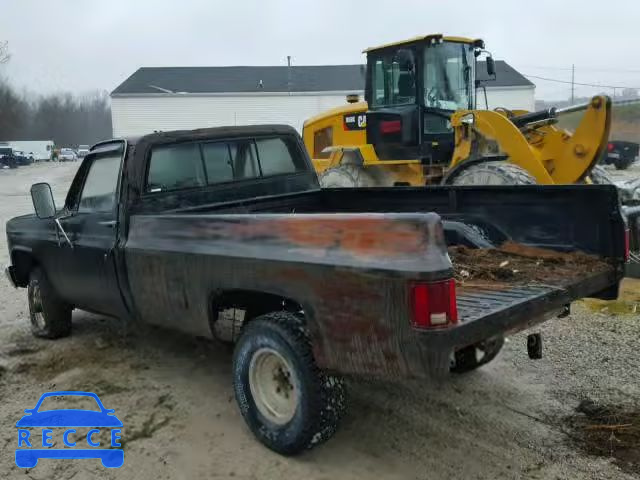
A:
x,y
294,245
565,218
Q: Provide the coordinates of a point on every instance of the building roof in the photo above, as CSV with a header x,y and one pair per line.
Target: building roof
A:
x,y
315,78
506,76
312,78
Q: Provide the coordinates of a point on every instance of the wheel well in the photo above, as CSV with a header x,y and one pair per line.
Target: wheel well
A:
x,y
23,263
230,310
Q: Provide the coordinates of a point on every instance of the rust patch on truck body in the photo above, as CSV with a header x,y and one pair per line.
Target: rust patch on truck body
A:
x,y
349,272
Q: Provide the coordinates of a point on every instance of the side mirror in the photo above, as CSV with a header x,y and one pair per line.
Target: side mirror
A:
x,y
491,67
42,199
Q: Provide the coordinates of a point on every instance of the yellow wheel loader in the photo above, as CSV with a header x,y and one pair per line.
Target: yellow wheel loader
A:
x,y
419,126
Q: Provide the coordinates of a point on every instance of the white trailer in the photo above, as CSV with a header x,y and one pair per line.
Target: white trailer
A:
x,y
38,149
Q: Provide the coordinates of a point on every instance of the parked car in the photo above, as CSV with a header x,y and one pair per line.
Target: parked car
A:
x,y
82,151
22,158
67,155
7,158
225,233
40,150
621,154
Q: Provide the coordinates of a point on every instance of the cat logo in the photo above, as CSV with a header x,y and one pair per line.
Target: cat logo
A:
x,y
354,121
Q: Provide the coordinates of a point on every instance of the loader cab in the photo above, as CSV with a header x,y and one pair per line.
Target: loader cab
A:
x,y
412,89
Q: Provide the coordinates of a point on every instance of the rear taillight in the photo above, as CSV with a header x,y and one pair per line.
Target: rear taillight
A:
x,y
433,305
610,147
390,126
627,248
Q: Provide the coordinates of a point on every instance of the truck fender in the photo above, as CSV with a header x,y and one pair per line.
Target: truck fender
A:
x,y
23,260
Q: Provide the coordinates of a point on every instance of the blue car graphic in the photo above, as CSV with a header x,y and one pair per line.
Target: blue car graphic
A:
x,y
28,457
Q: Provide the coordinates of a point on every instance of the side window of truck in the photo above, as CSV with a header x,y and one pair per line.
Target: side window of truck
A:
x,y
217,161
99,190
175,167
275,156
244,159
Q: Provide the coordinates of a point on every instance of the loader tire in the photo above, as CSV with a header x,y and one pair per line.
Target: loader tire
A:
x,y
493,173
599,176
289,404
346,176
50,316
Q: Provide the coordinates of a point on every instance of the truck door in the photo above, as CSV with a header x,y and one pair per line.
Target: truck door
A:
x,y
92,226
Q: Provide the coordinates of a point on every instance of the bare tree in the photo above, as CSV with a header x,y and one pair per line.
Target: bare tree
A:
x,y
66,119
4,52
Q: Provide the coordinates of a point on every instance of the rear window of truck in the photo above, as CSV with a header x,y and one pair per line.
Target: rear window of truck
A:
x,y
197,164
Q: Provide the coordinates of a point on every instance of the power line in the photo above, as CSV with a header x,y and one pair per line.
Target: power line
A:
x,y
578,83
590,69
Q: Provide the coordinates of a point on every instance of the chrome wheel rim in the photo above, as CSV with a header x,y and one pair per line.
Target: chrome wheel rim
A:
x,y
272,383
36,307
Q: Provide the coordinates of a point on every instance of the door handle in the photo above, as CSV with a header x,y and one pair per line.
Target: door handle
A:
x,y
108,223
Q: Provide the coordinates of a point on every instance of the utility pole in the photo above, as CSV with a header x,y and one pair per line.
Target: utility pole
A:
x,y
573,79
289,74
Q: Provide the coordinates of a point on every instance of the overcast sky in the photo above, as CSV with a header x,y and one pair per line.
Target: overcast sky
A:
x,y
82,45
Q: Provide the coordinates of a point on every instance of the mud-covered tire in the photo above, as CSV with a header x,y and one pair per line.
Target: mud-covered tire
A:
x,y
467,359
346,176
493,173
319,397
599,176
50,316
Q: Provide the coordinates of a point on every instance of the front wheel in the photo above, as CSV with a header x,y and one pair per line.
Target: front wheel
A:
x,y
50,316
623,163
493,173
288,403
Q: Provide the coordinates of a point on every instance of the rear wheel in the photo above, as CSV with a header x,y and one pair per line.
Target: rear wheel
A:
x,y
493,173
288,403
50,316
623,163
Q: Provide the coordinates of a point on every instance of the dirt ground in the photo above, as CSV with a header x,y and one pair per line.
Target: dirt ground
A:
x,y
514,418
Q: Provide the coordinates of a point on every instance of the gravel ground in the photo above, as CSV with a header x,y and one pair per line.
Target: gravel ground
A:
x,y
509,420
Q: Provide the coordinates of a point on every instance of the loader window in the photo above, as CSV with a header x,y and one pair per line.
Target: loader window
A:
x,y
394,79
449,76
321,140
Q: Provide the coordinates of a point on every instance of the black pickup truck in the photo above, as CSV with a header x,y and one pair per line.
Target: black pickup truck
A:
x,y
620,153
225,233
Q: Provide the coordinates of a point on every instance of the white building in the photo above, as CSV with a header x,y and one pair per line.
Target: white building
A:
x,y
510,89
175,98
